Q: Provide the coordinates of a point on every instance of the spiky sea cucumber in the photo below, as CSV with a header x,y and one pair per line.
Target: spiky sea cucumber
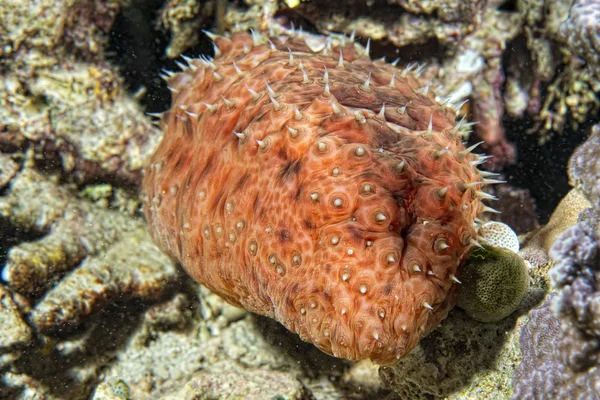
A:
x,y
301,180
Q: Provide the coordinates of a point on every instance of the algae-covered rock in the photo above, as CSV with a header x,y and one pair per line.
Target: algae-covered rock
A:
x,y
494,282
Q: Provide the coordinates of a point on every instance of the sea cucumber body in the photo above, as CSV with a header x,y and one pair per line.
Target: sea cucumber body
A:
x,y
281,186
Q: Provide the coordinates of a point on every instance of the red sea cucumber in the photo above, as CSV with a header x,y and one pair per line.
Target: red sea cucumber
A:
x,y
300,180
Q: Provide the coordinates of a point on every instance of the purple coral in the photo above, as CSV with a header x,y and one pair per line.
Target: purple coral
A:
x,y
561,342
584,167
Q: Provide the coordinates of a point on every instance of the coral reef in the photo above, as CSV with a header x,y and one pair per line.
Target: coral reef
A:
x,y
581,32
536,244
461,359
561,342
561,36
584,168
183,19
296,121
90,308
15,332
537,376
79,26
111,254
59,97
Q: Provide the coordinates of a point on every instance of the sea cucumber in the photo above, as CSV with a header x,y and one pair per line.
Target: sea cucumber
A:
x,y
301,180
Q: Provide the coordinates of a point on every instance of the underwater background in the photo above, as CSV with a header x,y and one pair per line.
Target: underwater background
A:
x,y
92,308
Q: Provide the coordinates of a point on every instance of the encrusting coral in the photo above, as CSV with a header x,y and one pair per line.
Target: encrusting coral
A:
x,y
303,181
495,280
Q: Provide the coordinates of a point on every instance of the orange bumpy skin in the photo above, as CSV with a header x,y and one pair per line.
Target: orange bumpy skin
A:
x,y
329,193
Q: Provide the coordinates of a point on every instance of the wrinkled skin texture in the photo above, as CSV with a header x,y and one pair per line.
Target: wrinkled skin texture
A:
x,y
306,204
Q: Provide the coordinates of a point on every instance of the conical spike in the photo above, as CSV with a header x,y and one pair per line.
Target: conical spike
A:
x,y
326,91
271,91
368,47
240,135
211,35
395,62
423,90
420,69
261,144
471,185
228,103
305,79
455,279
237,69
490,209
442,152
470,149
211,107
367,82
492,181
191,114
460,105
181,65
297,114
217,51
484,195
340,63
255,38
276,104
293,132
408,68
392,83
430,126
255,95
488,173
381,113
480,160
353,35
475,243
360,118
291,61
